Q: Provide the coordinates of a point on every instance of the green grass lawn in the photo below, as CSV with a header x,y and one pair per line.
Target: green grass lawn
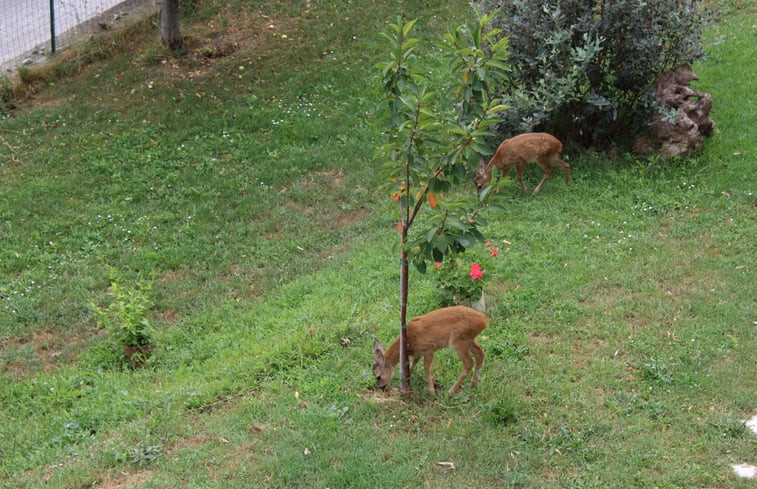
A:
x,y
242,178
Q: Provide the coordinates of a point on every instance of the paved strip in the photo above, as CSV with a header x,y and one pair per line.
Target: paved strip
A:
x,y
25,24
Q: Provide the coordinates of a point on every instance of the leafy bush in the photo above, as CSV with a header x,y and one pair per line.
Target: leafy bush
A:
x,y
585,70
461,276
126,317
6,94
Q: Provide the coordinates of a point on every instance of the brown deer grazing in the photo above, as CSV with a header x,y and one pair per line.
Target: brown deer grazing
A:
x,y
538,147
454,327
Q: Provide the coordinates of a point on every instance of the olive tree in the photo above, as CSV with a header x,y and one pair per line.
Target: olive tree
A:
x,y
586,69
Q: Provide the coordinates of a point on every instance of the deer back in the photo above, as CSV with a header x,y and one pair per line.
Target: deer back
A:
x,y
538,147
440,328
535,146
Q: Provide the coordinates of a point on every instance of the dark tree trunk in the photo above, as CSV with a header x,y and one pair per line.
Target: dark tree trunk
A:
x,y
404,272
169,26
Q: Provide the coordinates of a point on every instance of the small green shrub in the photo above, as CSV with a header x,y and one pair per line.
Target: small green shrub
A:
x,y
657,372
25,74
460,277
6,94
126,317
586,70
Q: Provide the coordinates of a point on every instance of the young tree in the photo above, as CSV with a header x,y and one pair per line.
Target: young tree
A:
x,y
430,149
169,26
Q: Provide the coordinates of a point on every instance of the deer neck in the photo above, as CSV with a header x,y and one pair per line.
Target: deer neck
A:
x,y
490,165
392,354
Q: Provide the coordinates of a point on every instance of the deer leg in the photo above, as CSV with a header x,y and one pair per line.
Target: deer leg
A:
x,y
565,168
465,357
547,174
428,359
519,175
479,354
414,361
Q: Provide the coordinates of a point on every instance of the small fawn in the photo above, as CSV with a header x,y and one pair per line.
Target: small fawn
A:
x,y
538,147
454,327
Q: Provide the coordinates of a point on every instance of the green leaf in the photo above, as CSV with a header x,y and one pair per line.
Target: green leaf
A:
x,y
466,241
459,131
466,52
484,193
498,65
494,208
388,37
408,27
459,225
430,234
442,242
497,109
409,101
500,45
491,34
481,147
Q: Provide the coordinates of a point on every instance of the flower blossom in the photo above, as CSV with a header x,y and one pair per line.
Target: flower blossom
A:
x,y
438,264
475,271
495,251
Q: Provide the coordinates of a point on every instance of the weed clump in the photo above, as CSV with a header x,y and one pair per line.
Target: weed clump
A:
x,y
503,412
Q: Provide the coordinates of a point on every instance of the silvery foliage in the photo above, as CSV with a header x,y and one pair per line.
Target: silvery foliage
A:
x,y
586,69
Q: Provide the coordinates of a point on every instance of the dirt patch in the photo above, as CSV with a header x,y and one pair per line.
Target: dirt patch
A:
x,y
241,35
124,480
43,350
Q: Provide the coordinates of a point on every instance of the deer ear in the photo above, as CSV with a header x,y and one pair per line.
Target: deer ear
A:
x,y
378,354
481,170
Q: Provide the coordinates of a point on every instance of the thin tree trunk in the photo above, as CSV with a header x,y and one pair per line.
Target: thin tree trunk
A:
x,y
169,26
404,272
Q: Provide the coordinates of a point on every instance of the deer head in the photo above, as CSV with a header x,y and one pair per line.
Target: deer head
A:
x,y
482,176
381,370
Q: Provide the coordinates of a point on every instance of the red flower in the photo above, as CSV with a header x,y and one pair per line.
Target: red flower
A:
x,y
475,271
438,264
495,251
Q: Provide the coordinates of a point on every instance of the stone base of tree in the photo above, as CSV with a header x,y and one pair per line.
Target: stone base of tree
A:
x,y
683,131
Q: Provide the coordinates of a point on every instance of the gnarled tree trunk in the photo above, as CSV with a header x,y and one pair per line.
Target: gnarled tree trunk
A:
x,y
684,133
169,26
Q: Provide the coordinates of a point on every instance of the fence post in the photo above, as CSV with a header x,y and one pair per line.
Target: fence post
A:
x,y
52,25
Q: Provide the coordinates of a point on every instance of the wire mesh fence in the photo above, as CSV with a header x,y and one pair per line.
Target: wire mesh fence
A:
x,y
30,29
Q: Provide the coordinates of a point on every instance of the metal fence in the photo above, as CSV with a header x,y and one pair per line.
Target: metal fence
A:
x,y
32,29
